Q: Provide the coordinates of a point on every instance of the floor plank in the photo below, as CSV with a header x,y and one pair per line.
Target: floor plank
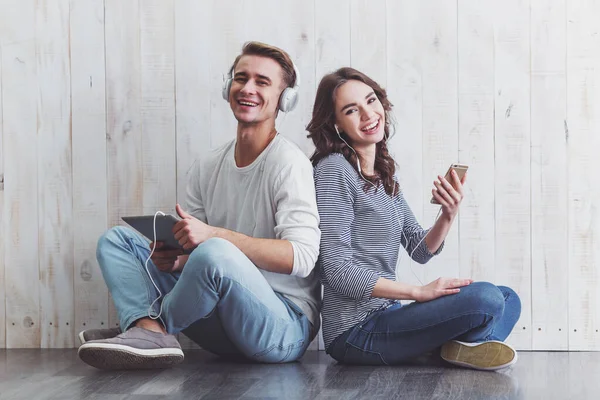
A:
x,y
59,374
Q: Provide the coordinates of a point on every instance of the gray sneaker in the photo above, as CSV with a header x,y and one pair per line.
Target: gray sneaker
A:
x,y
137,348
98,334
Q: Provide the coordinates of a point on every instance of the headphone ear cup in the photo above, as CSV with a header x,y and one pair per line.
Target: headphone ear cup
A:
x,y
226,89
288,99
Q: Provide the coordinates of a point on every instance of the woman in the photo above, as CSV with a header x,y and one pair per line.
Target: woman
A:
x,y
364,220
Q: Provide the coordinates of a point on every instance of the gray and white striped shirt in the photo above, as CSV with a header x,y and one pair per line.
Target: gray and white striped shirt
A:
x,y
360,239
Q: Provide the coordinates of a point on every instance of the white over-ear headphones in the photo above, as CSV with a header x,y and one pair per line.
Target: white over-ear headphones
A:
x,y
287,100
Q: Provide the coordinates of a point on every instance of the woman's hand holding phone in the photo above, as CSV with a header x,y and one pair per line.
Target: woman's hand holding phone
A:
x,y
448,192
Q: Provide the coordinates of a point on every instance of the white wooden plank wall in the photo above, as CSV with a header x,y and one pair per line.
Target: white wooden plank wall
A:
x,y
512,156
476,139
2,224
549,174
55,175
583,122
21,205
105,105
89,146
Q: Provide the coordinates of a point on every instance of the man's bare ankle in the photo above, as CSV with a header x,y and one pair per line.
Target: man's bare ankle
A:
x,y
150,325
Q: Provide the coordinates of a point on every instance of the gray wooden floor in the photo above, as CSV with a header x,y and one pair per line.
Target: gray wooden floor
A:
x,y
58,374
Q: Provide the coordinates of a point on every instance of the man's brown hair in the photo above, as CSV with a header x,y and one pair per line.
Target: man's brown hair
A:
x,y
272,52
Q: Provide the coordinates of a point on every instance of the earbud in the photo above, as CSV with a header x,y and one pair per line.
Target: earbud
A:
x,y
336,129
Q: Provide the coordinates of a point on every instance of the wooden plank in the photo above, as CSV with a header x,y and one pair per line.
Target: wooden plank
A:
x,y
438,38
297,20
88,104
55,193
583,120
549,188
20,174
405,91
368,38
123,108
193,84
2,220
512,168
332,51
332,41
157,35
476,137
226,16
433,57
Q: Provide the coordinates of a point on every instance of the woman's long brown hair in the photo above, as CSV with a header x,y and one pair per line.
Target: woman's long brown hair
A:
x,y
322,132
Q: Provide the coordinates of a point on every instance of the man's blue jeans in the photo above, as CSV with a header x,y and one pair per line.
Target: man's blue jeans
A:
x,y
478,313
220,300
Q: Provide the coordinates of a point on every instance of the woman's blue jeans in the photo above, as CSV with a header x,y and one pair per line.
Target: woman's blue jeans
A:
x,y
479,312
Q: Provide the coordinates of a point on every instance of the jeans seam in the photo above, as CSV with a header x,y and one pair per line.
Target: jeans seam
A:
x,y
131,319
430,325
289,348
365,351
145,278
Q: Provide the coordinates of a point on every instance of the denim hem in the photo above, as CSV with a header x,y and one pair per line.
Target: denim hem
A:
x,y
130,320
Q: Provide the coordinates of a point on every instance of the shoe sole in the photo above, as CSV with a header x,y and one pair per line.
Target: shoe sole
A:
x,y
485,356
81,337
119,357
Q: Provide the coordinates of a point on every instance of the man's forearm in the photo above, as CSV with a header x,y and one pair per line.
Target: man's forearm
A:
x,y
269,254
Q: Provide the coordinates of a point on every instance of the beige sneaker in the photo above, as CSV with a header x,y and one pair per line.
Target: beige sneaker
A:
x,y
485,356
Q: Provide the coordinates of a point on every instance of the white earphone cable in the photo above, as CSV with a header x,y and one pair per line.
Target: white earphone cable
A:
x,y
151,308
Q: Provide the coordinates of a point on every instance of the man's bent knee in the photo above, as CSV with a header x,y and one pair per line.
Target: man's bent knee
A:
x,y
115,236
215,256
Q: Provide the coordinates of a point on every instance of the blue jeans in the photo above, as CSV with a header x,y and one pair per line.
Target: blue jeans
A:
x,y
479,312
220,300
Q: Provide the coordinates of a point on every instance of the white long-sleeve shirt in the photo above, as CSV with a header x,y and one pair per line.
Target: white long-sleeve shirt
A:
x,y
272,198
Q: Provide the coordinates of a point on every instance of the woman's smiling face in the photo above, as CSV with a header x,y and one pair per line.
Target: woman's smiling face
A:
x,y
359,113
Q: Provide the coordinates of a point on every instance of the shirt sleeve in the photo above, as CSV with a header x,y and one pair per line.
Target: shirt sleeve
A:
x,y
193,200
296,215
335,200
412,236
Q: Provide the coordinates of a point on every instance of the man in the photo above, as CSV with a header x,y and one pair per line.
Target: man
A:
x,y
249,287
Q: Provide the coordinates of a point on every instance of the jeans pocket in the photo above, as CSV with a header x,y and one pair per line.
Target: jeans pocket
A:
x,y
293,307
280,354
356,356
